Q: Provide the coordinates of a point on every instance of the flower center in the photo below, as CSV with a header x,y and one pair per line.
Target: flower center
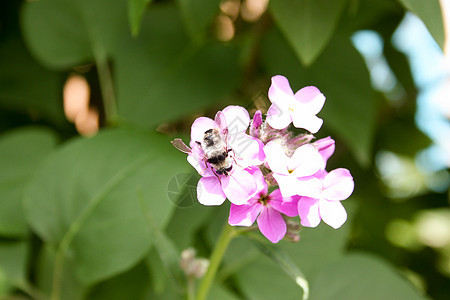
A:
x,y
264,200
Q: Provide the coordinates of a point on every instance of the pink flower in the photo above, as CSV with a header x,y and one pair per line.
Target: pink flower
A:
x,y
300,109
232,122
266,209
325,147
337,185
294,174
222,163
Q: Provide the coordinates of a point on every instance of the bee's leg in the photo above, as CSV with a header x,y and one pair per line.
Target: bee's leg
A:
x,y
233,156
212,169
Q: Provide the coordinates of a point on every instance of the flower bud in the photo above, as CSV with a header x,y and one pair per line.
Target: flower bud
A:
x,y
193,267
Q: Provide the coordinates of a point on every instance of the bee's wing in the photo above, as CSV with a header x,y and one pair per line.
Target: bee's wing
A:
x,y
180,145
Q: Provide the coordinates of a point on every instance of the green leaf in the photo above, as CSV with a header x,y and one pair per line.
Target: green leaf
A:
x,y
307,24
93,209
26,86
72,32
430,13
161,77
21,151
71,288
130,285
341,74
361,276
13,259
285,262
136,10
197,15
263,279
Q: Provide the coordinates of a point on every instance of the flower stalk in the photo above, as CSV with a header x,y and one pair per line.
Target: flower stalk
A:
x,y
225,238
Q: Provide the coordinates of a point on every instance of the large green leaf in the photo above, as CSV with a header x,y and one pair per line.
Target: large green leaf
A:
x,y
92,199
362,276
341,74
307,24
430,13
71,288
160,76
64,33
21,150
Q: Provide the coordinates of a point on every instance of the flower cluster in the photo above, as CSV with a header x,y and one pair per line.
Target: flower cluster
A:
x,y
265,170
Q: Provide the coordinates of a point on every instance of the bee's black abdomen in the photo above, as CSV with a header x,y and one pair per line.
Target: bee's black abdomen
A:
x,y
213,160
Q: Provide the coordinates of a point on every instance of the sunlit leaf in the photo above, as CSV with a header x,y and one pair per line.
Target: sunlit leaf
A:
x,y
88,197
362,276
430,13
21,151
307,24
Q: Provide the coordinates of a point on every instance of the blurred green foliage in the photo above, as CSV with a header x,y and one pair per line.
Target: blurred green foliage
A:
x,y
91,218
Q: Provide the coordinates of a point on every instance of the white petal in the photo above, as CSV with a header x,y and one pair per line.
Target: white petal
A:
x,y
276,158
237,119
333,213
306,161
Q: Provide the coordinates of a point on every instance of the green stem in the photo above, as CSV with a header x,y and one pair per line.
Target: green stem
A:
x,y
190,288
216,257
107,88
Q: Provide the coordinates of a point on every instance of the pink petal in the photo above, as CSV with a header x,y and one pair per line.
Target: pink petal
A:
x,y
280,92
261,184
276,158
199,127
209,191
247,150
278,117
338,185
311,99
333,213
271,224
256,123
244,215
306,121
325,147
285,205
308,210
237,119
239,186
221,121
306,161
195,158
